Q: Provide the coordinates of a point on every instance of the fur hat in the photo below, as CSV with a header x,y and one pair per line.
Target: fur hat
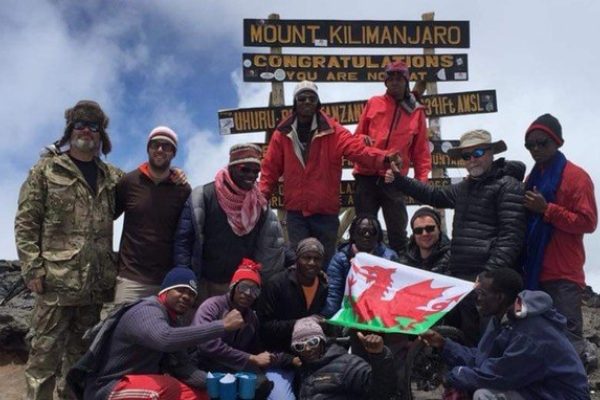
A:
x,y
86,110
306,328
179,277
163,133
477,137
248,269
550,126
309,244
244,153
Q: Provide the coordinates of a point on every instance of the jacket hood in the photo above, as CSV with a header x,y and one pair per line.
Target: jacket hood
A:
x,y
516,169
535,302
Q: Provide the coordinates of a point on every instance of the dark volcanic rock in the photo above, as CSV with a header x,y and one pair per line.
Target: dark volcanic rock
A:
x,y
16,305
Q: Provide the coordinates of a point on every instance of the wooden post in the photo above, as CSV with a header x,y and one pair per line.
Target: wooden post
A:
x,y
434,122
276,98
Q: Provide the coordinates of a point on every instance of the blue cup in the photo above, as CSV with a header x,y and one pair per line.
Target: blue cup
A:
x,y
246,385
227,390
212,384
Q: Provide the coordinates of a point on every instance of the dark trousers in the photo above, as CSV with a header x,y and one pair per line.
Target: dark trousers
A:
x,y
373,193
320,226
566,296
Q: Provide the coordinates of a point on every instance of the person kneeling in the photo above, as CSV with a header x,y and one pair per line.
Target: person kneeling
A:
x,y
133,353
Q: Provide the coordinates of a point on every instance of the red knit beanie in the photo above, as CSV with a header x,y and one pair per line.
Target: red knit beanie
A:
x,y
248,269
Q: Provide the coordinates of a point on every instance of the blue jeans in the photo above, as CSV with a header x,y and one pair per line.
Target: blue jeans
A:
x,y
321,226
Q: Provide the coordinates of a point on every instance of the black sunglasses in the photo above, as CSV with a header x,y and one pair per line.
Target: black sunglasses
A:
x,y
536,143
428,229
477,153
92,126
248,170
310,99
155,145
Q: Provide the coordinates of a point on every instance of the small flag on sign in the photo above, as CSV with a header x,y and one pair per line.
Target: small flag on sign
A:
x,y
385,296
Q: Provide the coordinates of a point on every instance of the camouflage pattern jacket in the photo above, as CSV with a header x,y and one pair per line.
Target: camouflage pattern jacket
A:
x,y
64,233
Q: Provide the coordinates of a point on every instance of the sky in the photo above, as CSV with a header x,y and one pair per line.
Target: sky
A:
x,y
178,62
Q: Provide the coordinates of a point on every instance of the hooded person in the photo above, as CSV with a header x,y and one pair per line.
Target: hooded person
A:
x,y
561,208
64,234
428,247
392,122
229,213
307,149
524,353
329,372
489,218
242,350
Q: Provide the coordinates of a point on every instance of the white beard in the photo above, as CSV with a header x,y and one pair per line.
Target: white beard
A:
x,y
84,145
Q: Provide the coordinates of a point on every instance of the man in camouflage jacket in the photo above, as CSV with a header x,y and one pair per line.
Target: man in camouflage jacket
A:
x,y
64,232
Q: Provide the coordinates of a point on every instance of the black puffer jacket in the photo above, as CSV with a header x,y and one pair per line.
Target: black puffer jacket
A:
x,y
489,220
342,376
437,261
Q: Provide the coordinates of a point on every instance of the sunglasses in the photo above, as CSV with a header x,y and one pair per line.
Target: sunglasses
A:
x,y
537,143
92,126
168,147
250,290
306,345
248,170
477,153
365,232
428,229
309,99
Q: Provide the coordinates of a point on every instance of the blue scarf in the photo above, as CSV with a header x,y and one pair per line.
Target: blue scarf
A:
x,y
539,232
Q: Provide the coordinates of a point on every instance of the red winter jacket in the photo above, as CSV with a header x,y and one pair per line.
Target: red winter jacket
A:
x,y
572,214
392,128
314,188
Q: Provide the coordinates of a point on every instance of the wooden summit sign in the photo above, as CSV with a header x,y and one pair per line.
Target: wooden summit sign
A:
x,y
246,120
264,67
347,188
336,33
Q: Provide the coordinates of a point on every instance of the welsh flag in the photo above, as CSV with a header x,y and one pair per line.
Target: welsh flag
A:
x,y
385,296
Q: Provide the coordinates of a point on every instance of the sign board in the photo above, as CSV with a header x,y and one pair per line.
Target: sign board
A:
x,y
347,188
439,154
246,120
261,67
336,33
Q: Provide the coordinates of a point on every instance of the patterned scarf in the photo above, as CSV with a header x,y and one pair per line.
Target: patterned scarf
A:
x,y
242,207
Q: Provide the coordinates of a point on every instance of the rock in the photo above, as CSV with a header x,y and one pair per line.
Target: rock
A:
x,y
15,309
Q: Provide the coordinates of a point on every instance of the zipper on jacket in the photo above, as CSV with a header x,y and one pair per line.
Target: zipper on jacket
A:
x,y
393,124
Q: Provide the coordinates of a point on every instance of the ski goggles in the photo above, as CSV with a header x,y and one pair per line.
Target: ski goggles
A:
x,y
92,126
308,344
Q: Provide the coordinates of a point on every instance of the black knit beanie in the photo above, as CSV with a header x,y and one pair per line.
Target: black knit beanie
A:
x,y
426,212
549,125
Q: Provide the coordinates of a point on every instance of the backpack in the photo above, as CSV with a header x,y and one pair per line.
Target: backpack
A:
x,y
91,362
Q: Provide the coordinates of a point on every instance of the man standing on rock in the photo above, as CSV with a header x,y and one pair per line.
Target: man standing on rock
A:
x,y
64,232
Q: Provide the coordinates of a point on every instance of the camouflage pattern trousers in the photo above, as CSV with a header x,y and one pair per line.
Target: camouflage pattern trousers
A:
x,y
56,345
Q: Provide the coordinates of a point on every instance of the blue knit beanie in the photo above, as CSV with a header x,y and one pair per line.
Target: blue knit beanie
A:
x,y
179,277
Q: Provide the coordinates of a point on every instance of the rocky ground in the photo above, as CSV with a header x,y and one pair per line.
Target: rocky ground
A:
x,y
14,315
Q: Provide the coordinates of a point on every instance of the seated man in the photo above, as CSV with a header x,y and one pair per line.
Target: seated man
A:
x,y
241,350
329,372
524,353
428,247
366,236
133,354
296,293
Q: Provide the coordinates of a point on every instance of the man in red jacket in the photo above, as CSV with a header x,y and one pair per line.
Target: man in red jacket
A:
x,y
562,208
307,150
392,122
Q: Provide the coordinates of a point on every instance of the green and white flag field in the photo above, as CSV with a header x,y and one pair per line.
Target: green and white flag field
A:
x,y
385,296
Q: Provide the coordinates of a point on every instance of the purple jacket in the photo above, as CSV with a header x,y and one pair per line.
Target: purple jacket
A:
x,y
233,349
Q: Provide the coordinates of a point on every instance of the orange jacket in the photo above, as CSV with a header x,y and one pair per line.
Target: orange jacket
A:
x,y
392,128
314,188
